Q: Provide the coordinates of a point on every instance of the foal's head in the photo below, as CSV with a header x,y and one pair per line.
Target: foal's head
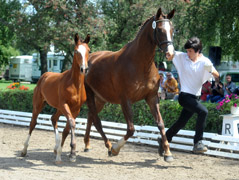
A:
x,y
81,52
163,32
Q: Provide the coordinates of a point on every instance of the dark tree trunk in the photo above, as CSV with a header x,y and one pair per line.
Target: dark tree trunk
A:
x,y
43,58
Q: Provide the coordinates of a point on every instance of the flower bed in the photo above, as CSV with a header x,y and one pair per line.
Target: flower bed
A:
x,y
18,86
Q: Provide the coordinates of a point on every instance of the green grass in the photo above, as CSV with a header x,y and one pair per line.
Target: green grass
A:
x,y
4,84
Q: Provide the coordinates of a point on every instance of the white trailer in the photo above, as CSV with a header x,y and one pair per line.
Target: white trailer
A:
x,y
54,64
20,68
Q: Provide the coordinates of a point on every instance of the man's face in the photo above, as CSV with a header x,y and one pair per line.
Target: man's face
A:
x,y
169,76
229,78
192,54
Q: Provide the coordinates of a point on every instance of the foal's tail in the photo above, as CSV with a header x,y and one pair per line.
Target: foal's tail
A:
x,y
38,100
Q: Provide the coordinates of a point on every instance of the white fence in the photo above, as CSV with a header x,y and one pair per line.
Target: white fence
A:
x,y
218,145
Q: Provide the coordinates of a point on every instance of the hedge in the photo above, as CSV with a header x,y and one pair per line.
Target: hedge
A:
x,y
170,110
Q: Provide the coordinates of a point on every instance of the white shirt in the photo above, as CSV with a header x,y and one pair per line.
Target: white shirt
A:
x,y
192,75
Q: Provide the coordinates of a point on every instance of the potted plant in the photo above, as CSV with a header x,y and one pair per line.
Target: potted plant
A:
x,y
230,103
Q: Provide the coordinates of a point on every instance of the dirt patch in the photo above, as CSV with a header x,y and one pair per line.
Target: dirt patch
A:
x,y
133,162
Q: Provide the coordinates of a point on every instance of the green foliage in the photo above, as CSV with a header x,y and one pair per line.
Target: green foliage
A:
x,y
216,23
170,111
7,36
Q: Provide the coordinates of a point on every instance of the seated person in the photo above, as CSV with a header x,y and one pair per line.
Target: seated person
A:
x,y
206,90
229,86
217,90
161,92
171,86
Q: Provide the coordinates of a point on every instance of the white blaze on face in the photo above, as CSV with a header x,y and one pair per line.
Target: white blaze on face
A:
x,y
81,49
169,38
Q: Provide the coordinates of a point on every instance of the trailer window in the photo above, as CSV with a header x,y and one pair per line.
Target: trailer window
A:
x,y
49,63
61,64
54,62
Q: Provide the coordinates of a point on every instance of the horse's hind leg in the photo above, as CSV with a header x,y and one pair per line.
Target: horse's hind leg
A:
x,y
128,114
154,107
38,104
99,106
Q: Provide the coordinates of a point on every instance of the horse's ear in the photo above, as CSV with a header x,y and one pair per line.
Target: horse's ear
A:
x,y
171,14
159,12
76,38
87,39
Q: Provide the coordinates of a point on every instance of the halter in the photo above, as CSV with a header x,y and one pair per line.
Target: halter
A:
x,y
154,24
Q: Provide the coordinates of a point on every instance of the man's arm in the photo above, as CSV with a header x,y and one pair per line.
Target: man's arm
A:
x,y
215,73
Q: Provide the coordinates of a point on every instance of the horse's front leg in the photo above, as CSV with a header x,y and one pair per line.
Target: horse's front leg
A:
x,y
128,114
70,125
153,103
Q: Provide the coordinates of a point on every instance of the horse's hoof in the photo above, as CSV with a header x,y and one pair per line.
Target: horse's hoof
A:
x,y
110,153
72,158
168,158
23,154
58,162
160,148
114,153
86,150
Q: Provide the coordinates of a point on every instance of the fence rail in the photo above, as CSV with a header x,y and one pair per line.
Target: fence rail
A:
x,y
218,145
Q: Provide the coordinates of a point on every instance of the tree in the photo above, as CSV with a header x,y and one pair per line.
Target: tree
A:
x,y
216,23
123,18
53,22
35,29
7,35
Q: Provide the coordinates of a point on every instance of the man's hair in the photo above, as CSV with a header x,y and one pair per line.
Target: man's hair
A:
x,y
194,43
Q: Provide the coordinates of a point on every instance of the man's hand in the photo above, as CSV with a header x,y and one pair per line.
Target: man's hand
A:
x,y
169,56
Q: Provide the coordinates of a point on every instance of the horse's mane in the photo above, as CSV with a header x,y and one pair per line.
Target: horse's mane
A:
x,y
141,27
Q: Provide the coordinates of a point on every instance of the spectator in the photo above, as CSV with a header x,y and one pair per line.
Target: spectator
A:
x,y
206,90
161,92
229,86
171,86
217,89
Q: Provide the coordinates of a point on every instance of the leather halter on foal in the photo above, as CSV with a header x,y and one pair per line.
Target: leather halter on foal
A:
x,y
154,24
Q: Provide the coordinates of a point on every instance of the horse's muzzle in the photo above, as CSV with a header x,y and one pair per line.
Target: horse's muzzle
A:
x,y
84,70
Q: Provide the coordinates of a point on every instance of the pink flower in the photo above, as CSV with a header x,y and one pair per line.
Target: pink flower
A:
x,y
227,101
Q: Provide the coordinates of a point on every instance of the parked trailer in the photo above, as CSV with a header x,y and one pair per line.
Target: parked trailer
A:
x,y
54,64
20,68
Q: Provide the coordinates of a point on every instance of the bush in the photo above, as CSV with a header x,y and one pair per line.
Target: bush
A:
x,y
170,111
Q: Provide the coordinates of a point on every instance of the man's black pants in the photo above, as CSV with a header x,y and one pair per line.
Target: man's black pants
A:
x,y
191,105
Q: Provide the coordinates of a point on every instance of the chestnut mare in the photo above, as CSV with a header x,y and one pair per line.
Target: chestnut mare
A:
x,y
65,92
127,76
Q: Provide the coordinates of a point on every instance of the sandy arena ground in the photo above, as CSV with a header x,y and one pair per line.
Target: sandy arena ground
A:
x,y
133,162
